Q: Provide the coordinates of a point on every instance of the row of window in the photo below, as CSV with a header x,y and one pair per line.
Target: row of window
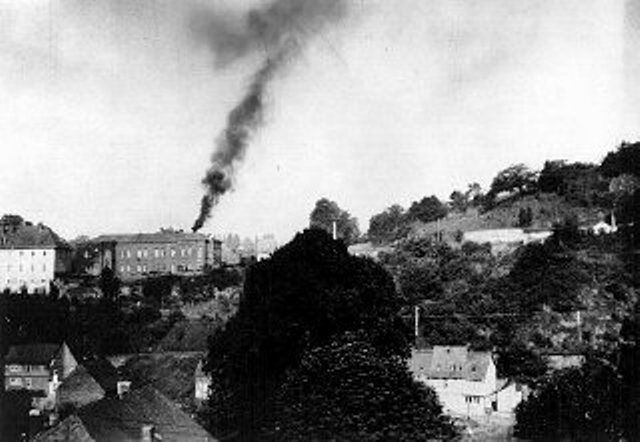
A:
x,y
18,382
22,282
472,399
160,253
142,268
28,368
33,252
21,268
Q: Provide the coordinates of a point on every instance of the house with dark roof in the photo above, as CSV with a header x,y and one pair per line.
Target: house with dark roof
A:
x,y
38,368
141,415
464,380
93,379
30,255
133,256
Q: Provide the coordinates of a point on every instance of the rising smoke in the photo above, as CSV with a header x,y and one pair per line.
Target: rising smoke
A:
x,y
281,30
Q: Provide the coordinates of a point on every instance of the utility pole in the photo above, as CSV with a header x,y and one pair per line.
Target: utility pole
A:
x,y
416,322
335,230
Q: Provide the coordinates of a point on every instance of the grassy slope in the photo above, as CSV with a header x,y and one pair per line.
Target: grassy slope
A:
x,y
547,209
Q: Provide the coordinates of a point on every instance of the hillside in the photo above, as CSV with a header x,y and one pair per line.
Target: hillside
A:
x,y
546,208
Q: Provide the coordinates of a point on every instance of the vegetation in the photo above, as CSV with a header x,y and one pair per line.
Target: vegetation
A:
x,y
327,212
346,390
307,295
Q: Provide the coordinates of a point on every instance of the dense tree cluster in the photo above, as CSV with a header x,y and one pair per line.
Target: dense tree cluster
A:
x,y
309,294
326,213
328,396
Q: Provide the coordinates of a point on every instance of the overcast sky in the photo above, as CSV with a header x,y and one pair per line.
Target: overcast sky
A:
x,y
109,109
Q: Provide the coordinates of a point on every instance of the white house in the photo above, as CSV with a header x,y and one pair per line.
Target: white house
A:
x,y
30,256
464,380
202,384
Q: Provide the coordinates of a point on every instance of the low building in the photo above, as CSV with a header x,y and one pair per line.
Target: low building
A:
x,y
31,256
133,256
39,368
504,239
464,380
202,384
140,415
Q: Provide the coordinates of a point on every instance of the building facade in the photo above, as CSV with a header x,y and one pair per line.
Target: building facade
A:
x,y
30,256
38,368
146,254
464,380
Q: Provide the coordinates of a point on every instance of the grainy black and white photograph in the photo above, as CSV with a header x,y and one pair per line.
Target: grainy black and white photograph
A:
x,y
319,220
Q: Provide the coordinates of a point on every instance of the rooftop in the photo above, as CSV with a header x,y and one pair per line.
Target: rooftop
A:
x,y
157,237
27,235
450,362
115,419
34,354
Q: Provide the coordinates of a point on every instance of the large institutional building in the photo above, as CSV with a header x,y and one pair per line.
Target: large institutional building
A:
x,y
133,256
30,256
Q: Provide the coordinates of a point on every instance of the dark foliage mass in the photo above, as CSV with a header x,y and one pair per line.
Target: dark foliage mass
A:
x,y
347,391
310,292
428,209
326,212
574,404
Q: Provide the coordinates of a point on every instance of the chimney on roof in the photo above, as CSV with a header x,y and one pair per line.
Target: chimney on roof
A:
x,y
148,433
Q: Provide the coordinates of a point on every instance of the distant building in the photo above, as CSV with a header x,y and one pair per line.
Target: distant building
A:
x,y
133,256
464,380
38,368
504,239
202,384
30,256
140,415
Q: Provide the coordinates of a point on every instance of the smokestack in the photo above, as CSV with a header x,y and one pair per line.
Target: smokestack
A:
x,y
335,230
281,29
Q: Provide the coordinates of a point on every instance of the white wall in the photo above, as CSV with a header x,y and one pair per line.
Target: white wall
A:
x,y
32,268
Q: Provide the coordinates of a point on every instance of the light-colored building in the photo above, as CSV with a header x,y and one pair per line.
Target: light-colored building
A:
x,y
30,256
503,239
464,380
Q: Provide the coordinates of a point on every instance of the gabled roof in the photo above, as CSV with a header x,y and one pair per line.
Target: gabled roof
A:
x,y
114,419
79,389
157,237
103,372
34,354
70,429
450,362
25,236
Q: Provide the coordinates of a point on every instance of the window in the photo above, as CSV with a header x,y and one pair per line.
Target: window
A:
x,y
145,253
121,269
139,253
472,399
144,269
128,253
27,382
14,368
128,268
173,252
138,269
189,251
200,252
86,254
157,253
44,253
15,381
33,253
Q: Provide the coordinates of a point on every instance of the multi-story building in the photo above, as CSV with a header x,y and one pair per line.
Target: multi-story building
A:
x,y
30,256
133,256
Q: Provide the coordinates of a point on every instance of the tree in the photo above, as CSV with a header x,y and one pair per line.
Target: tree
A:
x,y
346,390
428,209
109,284
326,212
388,226
458,201
517,178
309,291
626,159
525,217
573,404
474,194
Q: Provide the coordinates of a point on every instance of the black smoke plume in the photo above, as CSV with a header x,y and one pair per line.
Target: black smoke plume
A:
x,y
281,30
